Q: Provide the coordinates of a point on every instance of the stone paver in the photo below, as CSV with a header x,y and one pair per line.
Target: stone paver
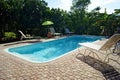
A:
x,y
67,67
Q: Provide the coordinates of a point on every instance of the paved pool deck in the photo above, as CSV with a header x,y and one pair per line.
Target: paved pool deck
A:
x,y
68,67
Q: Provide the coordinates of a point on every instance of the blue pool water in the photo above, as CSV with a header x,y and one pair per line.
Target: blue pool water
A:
x,y
48,51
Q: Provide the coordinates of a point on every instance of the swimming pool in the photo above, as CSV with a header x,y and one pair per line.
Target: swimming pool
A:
x,y
47,51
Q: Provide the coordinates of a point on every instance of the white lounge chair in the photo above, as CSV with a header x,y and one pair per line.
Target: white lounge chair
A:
x,y
67,31
52,30
105,48
27,37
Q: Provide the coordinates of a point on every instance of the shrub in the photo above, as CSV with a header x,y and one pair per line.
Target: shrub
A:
x,y
8,36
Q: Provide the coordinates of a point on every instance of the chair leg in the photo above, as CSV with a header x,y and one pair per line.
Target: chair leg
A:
x,y
95,55
83,54
79,53
106,60
107,56
117,59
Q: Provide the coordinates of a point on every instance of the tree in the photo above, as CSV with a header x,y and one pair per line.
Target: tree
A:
x,y
80,4
79,16
117,11
4,16
21,14
97,9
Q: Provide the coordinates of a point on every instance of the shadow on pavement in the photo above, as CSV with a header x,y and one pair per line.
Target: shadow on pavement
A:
x,y
108,71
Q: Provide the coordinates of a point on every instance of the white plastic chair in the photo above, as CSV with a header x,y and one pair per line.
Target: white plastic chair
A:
x,y
67,31
27,37
105,48
52,30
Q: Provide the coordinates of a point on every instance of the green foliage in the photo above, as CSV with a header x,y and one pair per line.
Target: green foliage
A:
x,y
28,15
117,10
10,35
80,4
79,16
